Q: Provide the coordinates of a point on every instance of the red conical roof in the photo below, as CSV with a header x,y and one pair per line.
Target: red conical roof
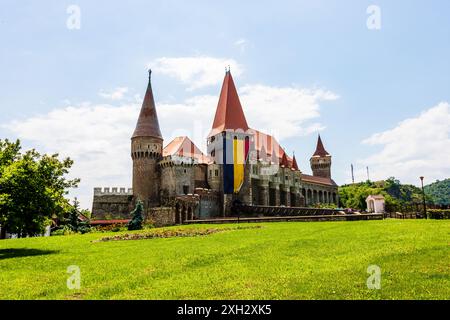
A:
x,y
284,161
229,113
294,164
320,150
147,124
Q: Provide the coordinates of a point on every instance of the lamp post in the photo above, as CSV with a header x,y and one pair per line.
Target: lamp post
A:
x,y
423,196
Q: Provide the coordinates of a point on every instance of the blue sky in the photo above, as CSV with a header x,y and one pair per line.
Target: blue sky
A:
x,y
378,97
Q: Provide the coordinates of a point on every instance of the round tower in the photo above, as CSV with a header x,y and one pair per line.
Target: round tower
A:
x,y
146,152
321,161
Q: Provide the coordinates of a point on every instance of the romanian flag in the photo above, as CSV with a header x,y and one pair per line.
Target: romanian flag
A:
x,y
235,154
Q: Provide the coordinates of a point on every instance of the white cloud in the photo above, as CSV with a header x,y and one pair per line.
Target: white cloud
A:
x,y
116,94
195,72
284,111
415,147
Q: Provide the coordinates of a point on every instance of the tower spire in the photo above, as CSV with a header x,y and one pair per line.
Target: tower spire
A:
x,y
229,113
320,150
284,161
321,161
294,163
147,124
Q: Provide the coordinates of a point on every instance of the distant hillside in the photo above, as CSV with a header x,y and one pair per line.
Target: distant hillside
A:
x,y
396,194
439,192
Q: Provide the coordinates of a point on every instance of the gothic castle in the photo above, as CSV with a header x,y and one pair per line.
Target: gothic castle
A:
x,y
179,182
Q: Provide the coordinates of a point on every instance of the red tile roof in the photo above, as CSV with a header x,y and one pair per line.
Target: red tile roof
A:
x,y
184,147
294,163
268,148
147,124
284,161
229,113
320,150
318,180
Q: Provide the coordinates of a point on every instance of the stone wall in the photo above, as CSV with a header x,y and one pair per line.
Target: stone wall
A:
x,y
209,203
161,216
114,203
215,176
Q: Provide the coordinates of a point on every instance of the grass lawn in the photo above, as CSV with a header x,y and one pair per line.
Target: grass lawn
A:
x,y
296,260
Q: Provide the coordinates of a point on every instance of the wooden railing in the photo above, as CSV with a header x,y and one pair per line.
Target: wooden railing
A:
x,y
248,211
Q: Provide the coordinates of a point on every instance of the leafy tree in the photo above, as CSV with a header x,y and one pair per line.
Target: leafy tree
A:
x,y
439,192
136,217
32,189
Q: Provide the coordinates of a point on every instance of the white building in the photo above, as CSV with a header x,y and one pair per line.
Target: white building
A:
x,y
375,203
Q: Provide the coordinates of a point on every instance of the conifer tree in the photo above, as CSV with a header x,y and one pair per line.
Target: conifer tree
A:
x,y
136,217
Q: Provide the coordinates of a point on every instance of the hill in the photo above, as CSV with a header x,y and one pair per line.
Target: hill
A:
x,y
326,260
397,195
439,192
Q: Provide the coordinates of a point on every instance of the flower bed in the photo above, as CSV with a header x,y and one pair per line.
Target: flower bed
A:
x,y
170,233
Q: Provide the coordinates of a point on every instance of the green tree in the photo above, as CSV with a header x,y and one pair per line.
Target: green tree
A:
x,y
32,189
136,217
439,192
74,221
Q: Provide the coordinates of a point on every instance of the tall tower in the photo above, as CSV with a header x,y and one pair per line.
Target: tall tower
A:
x,y
146,151
321,161
229,125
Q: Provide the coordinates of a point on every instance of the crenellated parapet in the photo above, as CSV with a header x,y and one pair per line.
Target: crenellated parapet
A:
x,y
106,191
174,160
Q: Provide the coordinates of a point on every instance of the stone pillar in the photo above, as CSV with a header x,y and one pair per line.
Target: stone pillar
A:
x,y
301,200
264,195
287,192
245,194
277,196
294,196
227,203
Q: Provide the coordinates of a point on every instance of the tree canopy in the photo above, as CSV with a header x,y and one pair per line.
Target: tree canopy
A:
x,y
439,192
32,188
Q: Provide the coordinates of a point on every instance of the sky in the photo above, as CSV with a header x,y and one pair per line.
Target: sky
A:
x,y
372,77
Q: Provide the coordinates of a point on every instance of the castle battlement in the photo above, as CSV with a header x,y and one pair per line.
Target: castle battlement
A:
x,y
112,191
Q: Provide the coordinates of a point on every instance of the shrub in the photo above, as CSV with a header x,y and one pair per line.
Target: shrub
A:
x,y
112,227
137,217
64,231
438,213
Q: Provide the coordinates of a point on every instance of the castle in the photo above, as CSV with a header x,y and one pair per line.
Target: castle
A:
x,y
179,182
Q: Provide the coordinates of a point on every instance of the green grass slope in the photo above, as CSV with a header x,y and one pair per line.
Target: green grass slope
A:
x,y
325,260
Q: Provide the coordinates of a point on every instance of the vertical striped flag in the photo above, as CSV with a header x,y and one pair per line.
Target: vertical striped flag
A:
x,y
235,154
